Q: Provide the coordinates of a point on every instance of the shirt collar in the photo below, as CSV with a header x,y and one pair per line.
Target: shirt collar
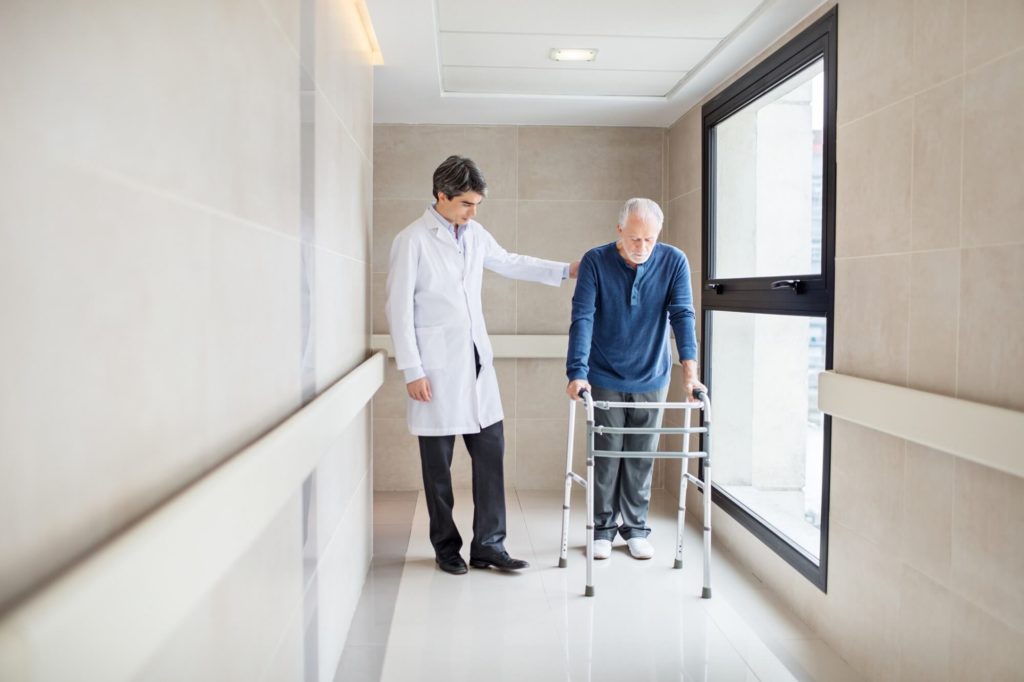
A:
x,y
440,218
442,221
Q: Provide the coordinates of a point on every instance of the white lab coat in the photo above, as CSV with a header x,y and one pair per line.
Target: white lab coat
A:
x,y
436,317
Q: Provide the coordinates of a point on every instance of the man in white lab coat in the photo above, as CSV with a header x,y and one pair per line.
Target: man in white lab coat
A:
x,y
441,345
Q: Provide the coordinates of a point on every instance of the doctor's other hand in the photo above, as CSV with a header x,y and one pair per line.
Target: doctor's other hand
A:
x,y
574,267
575,386
419,389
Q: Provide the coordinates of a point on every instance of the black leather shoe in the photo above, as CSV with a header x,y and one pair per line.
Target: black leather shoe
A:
x,y
454,565
500,560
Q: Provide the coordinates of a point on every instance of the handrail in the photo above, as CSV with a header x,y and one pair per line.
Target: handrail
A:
x,y
106,617
523,346
504,345
988,435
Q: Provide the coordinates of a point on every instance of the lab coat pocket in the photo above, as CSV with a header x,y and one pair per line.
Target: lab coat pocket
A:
x,y
430,341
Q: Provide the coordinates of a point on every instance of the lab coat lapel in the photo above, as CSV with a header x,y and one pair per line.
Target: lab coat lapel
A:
x,y
439,230
451,250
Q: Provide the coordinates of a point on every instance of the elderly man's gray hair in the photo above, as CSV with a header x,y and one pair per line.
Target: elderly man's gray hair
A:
x,y
645,209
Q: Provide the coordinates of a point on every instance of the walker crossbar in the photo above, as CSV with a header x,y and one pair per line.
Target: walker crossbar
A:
x,y
704,404
606,404
659,429
661,454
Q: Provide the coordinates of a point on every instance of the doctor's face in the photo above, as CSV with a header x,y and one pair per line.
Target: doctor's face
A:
x,y
637,239
459,209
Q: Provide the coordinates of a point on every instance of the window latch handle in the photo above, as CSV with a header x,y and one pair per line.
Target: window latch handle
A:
x,y
796,285
716,287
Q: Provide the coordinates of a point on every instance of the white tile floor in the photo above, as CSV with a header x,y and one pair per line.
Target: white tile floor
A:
x,y
646,622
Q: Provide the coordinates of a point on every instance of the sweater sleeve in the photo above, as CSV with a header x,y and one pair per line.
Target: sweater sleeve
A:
x,y
581,331
680,312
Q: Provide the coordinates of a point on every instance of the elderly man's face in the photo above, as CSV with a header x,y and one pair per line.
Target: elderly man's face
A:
x,y
637,238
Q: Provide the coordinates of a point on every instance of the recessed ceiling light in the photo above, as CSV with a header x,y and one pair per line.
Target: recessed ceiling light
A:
x,y
573,54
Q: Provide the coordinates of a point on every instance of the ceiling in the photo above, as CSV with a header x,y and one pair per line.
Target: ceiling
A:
x,y
486,61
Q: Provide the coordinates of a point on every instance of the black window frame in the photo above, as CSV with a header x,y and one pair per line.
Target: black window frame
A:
x,y
814,295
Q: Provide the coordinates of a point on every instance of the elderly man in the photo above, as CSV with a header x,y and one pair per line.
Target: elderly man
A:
x,y
627,295
441,344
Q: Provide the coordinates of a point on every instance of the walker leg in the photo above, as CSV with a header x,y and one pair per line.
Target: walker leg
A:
x,y
706,592
589,591
563,557
683,481
681,515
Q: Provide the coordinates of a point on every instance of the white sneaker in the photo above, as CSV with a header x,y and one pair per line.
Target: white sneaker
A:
x,y
640,548
602,549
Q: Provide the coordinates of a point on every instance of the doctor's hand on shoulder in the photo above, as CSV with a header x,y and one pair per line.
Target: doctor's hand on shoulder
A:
x,y
419,389
574,268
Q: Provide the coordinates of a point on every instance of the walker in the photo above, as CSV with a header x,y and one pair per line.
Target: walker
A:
x,y
683,454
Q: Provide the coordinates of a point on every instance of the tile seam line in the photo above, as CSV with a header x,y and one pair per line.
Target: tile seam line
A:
x,y
339,254
895,103
337,528
334,534
960,208
337,115
961,248
910,269
1006,55
682,194
119,179
757,638
281,29
293,620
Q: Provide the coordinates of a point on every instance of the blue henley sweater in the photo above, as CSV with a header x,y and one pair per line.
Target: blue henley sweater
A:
x,y
620,319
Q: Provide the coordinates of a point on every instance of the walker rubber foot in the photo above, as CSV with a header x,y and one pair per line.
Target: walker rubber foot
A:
x,y
705,593
678,563
589,592
562,562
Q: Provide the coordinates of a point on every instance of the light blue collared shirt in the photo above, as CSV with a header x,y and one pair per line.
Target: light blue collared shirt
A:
x,y
460,238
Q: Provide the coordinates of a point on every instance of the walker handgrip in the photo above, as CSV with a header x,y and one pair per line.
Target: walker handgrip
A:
x,y
702,395
588,402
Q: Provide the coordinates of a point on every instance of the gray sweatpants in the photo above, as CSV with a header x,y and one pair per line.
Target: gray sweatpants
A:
x,y
623,486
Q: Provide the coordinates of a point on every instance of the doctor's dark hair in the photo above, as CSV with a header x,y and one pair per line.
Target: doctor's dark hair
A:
x,y
458,175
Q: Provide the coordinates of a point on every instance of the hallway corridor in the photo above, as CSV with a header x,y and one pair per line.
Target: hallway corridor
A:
x,y
416,623
210,463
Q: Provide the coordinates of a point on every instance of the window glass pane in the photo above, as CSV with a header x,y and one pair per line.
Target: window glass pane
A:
x,y
767,430
768,171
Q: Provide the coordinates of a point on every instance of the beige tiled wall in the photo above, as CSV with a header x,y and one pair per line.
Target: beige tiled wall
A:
x,y
151,290
926,558
553,192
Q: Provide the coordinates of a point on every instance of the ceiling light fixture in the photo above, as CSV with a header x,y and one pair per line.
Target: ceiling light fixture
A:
x,y
573,54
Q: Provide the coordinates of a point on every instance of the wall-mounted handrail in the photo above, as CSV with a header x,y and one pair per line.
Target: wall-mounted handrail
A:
x,y
523,346
106,617
988,435
505,345
974,431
